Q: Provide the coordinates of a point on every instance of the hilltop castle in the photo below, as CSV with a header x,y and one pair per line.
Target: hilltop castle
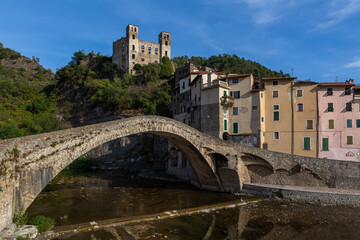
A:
x,y
129,50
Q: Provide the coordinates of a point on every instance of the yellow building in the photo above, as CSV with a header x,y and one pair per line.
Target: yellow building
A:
x,y
288,116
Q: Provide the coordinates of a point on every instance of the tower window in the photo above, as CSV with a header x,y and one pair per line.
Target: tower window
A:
x,y
149,48
165,53
142,47
135,29
133,47
143,59
133,36
133,56
156,49
167,37
166,43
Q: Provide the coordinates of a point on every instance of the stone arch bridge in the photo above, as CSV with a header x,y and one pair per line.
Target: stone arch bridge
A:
x,y
27,164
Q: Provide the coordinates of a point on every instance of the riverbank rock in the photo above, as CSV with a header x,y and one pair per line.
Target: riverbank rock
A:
x,y
26,231
7,231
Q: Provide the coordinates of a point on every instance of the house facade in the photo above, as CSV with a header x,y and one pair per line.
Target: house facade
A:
x,y
288,116
339,121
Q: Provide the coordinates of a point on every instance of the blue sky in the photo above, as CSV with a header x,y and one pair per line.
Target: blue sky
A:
x,y
316,39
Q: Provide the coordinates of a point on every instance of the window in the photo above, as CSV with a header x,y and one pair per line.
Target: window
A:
x,y
235,127
133,36
329,92
299,93
309,124
262,119
300,107
276,107
330,107
225,110
174,111
149,48
331,123
165,53
349,123
349,140
166,43
276,135
184,120
133,47
276,115
347,91
133,56
348,107
358,123
306,143
235,80
143,59
275,94
142,47
182,109
262,95
235,111
135,29
325,144
236,94
156,49
224,93
183,85
254,107
275,83
225,124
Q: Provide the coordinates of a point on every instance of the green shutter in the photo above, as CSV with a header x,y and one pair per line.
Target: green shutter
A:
x,y
349,123
325,144
235,128
224,93
349,140
231,93
225,125
276,115
358,123
238,94
306,143
331,123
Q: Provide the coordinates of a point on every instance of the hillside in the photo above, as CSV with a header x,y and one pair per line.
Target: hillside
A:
x,y
26,104
230,64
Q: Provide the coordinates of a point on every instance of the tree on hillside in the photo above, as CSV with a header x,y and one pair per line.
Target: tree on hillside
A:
x,y
166,68
78,56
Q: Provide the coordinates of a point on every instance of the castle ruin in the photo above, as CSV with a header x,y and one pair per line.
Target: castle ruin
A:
x,y
129,50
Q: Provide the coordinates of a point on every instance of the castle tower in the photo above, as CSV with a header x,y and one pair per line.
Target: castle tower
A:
x,y
165,44
132,37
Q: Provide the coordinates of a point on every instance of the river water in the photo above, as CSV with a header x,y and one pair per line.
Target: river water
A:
x,y
73,198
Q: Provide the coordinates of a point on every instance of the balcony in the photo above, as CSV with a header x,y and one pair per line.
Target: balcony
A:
x,y
227,101
216,83
356,94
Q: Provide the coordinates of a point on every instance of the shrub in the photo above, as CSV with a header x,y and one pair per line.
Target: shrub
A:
x,y
43,223
9,131
20,217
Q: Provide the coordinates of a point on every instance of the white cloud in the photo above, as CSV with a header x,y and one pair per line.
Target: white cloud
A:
x,y
354,64
340,10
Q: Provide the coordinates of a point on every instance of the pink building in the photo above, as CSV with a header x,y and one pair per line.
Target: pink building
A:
x,y
339,121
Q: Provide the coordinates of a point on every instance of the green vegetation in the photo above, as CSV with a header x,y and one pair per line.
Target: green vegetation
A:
x,y
230,64
280,194
43,223
82,163
99,83
26,105
20,218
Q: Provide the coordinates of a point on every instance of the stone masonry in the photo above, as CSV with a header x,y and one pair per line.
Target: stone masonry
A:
x,y
29,163
129,50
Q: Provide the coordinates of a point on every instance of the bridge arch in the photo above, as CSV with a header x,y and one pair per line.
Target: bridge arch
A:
x,y
40,158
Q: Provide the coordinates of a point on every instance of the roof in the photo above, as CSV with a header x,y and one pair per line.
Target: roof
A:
x,y
234,76
305,82
199,72
278,78
195,79
335,84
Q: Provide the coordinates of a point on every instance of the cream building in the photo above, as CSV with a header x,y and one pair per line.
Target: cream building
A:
x,y
288,116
